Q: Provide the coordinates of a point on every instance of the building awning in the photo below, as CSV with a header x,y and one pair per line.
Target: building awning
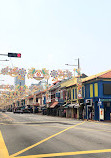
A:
x,y
76,105
53,105
71,105
37,104
65,106
42,106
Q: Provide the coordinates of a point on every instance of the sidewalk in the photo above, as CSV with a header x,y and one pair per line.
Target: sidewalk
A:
x,y
109,121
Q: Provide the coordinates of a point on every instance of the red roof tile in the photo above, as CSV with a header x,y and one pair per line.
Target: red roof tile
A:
x,y
53,104
106,75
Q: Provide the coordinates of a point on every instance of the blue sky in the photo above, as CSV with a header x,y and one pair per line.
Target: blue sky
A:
x,y
51,33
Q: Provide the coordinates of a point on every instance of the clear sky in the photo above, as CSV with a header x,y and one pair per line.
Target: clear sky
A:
x,y
51,33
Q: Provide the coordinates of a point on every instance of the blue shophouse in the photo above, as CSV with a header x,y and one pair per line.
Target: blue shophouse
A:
x,y
97,97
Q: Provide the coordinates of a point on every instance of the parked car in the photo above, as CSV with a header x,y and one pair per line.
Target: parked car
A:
x,y
26,111
18,111
3,110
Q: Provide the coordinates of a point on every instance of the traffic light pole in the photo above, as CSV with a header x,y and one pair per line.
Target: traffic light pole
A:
x,y
18,55
78,66
4,54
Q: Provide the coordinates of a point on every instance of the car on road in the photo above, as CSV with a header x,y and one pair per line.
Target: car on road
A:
x,y
3,110
18,111
26,111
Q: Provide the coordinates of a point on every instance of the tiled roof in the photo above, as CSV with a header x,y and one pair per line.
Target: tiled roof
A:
x,y
105,74
99,75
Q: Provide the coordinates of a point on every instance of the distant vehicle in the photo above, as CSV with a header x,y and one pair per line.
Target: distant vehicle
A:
x,y
26,111
3,110
18,111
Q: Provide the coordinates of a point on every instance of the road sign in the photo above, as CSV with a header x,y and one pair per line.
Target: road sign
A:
x,y
99,103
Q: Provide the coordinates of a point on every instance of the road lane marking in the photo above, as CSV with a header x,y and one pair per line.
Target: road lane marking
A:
x,y
1,123
3,149
44,140
67,153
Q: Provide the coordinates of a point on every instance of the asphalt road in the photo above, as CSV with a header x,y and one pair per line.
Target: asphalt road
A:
x,y
33,136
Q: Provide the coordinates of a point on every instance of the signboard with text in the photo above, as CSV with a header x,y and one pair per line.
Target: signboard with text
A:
x,y
101,113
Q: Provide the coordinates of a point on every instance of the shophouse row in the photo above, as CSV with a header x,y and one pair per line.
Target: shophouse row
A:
x,y
61,99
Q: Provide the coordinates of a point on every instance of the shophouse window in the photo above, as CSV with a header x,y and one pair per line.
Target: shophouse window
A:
x,y
76,93
44,101
87,91
91,90
96,89
61,94
107,89
82,92
64,94
69,94
73,93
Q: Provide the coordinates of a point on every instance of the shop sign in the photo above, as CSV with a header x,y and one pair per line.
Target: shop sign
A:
x,y
105,99
101,113
79,90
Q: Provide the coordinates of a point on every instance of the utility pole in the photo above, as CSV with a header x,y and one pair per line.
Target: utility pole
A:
x,y
78,64
78,82
78,85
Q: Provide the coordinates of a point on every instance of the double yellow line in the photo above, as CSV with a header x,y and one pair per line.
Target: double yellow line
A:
x,y
4,152
44,140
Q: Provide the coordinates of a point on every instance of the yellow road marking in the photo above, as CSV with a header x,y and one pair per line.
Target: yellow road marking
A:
x,y
3,149
1,123
67,153
44,140
4,152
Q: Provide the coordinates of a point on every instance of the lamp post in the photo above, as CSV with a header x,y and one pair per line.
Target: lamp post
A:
x,y
78,85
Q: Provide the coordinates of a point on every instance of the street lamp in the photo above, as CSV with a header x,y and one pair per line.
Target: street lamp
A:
x,y
79,90
74,65
70,65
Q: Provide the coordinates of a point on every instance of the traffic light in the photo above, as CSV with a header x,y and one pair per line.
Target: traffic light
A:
x,y
18,55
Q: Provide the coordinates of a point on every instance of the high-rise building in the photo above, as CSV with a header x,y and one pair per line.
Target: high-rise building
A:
x,y
19,82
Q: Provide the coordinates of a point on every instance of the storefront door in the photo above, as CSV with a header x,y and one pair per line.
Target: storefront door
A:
x,y
107,111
